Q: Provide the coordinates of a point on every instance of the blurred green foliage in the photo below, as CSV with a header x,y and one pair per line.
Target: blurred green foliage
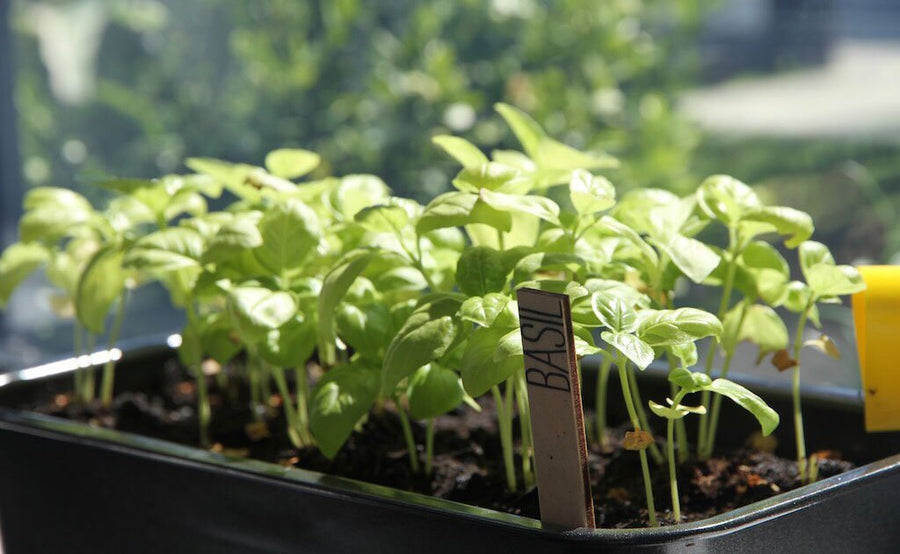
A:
x,y
363,83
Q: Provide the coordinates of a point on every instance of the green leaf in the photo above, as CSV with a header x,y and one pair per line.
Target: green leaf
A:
x,y
785,221
290,231
434,390
480,367
690,256
334,287
481,270
812,253
455,209
798,296
490,309
767,417
291,345
291,163
218,338
52,213
538,206
670,327
463,151
241,233
168,250
686,352
614,313
383,218
355,192
16,264
232,176
343,397
259,310
638,208
834,280
725,198
688,380
763,272
366,329
492,176
532,264
527,130
590,193
190,352
619,229
762,326
674,412
100,285
639,352
426,336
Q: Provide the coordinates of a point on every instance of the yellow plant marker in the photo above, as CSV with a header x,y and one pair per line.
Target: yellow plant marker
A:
x,y
876,316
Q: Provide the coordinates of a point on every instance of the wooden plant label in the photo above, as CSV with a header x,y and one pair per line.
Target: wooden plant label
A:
x,y
557,421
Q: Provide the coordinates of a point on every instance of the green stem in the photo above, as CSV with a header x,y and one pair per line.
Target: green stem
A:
x,y
600,401
109,369
429,446
88,391
636,423
290,415
710,443
504,425
658,458
703,432
408,436
253,375
301,383
203,409
525,429
795,389
673,476
78,347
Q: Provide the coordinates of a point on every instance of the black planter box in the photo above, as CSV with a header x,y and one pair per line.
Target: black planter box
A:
x,y
69,487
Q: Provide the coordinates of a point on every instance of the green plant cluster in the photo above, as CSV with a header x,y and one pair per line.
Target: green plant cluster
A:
x,y
413,305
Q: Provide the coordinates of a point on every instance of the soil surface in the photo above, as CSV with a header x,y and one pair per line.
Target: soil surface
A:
x,y
468,464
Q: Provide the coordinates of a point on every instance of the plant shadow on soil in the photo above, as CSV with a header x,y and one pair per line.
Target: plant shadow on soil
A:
x,y
468,464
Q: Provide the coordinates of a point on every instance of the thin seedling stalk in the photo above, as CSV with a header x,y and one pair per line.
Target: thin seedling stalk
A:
x,y
525,429
290,415
504,426
795,390
600,401
301,383
635,422
408,437
703,431
710,443
670,445
203,408
642,415
109,368
429,446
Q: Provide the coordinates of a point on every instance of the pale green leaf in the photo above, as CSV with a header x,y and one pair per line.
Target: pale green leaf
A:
x,y
16,264
100,285
590,193
463,151
290,232
767,417
639,352
291,163
797,225
455,209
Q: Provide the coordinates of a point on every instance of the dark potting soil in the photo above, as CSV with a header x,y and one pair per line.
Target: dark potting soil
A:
x,y
468,462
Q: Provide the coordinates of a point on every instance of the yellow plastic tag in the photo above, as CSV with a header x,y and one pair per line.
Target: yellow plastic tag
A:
x,y
876,316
